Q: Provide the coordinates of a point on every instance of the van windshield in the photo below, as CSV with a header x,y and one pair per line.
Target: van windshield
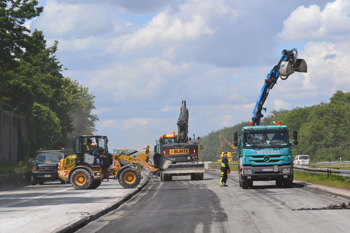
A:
x,y
304,157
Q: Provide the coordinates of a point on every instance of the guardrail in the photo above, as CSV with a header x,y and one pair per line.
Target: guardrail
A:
x,y
325,171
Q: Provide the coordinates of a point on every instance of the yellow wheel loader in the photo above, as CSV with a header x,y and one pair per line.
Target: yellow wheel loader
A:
x,y
86,169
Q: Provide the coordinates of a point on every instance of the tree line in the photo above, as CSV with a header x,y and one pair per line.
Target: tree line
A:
x,y
323,130
32,83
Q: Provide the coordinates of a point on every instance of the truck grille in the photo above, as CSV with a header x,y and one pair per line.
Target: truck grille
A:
x,y
47,168
259,159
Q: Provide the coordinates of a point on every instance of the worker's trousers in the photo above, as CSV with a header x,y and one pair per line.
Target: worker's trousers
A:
x,y
223,177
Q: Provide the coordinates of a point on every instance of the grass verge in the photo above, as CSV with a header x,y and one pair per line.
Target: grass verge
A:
x,y
331,181
218,167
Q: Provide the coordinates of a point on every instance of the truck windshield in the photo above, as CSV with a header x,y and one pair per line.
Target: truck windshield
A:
x,y
266,139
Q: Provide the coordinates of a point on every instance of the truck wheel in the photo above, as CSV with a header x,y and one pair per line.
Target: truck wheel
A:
x,y
95,184
81,179
168,177
41,181
246,184
200,176
194,176
129,178
288,183
279,182
62,181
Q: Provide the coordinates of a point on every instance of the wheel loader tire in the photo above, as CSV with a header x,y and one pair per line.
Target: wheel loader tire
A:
x,y
81,179
95,184
129,178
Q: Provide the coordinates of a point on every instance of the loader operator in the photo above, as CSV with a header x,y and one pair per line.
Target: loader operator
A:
x,y
225,168
88,148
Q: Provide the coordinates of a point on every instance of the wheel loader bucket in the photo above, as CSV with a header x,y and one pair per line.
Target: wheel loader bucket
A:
x,y
161,162
288,68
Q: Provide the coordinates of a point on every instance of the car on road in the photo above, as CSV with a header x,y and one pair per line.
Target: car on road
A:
x,y
45,166
302,160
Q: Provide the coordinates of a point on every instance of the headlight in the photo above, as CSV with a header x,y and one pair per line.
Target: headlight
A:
x,y
248,172
285,170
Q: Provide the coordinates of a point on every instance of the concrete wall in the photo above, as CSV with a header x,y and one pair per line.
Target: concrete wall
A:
x,y
11,127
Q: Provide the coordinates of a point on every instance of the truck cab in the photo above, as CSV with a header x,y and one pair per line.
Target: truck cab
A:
x,y
265,153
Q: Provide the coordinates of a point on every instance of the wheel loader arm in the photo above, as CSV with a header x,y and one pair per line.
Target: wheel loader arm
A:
x,y
161,163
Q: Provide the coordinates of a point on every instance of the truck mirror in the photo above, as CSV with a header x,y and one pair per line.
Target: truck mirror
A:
x,y
295,135
295,142
202,147
235,139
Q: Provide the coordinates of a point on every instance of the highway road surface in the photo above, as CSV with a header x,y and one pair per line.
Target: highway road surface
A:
x,y
181,205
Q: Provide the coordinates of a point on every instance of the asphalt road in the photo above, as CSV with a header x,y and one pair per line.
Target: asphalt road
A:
x,y
183,205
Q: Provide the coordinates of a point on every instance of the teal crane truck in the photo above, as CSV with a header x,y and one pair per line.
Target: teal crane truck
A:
x,y
265,151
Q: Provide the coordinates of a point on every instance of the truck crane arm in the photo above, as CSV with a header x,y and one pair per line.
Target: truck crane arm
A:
x,y
288,64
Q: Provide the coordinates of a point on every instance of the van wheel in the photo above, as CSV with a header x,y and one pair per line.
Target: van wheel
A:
x,y
33,180
81,179
129,178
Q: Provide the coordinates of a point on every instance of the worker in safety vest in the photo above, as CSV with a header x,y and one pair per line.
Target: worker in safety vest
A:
x,y
225,168
88,148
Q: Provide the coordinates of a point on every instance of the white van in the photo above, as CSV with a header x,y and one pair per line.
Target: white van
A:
x,y
301,160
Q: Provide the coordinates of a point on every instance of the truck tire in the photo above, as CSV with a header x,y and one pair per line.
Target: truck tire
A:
x,y
95,184
33,180
279,182
200,176
246,184
288,183
129,178
168,177
62,181
41,181
81,179
194,176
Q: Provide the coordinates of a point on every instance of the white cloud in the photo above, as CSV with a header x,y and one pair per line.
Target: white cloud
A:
x,y
213,54
312,23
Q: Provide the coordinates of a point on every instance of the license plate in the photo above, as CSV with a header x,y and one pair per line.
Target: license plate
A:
x,y
267,170
179,151
47,175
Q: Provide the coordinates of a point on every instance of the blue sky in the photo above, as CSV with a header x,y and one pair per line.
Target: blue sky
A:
x,y
142,58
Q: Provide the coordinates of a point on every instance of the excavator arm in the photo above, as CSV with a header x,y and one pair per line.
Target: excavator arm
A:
x,y
288,64
182,124
227,141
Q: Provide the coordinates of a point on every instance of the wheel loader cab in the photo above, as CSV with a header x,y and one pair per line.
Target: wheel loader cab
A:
x,y
98,156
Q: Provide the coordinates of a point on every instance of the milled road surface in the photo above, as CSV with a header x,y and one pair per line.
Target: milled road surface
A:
x,y
56,207
183,205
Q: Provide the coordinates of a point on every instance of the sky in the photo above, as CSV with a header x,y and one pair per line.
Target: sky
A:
x,y
141,58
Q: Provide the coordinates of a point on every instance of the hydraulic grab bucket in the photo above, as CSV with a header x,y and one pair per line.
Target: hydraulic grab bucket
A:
x,y
287,68
161,162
